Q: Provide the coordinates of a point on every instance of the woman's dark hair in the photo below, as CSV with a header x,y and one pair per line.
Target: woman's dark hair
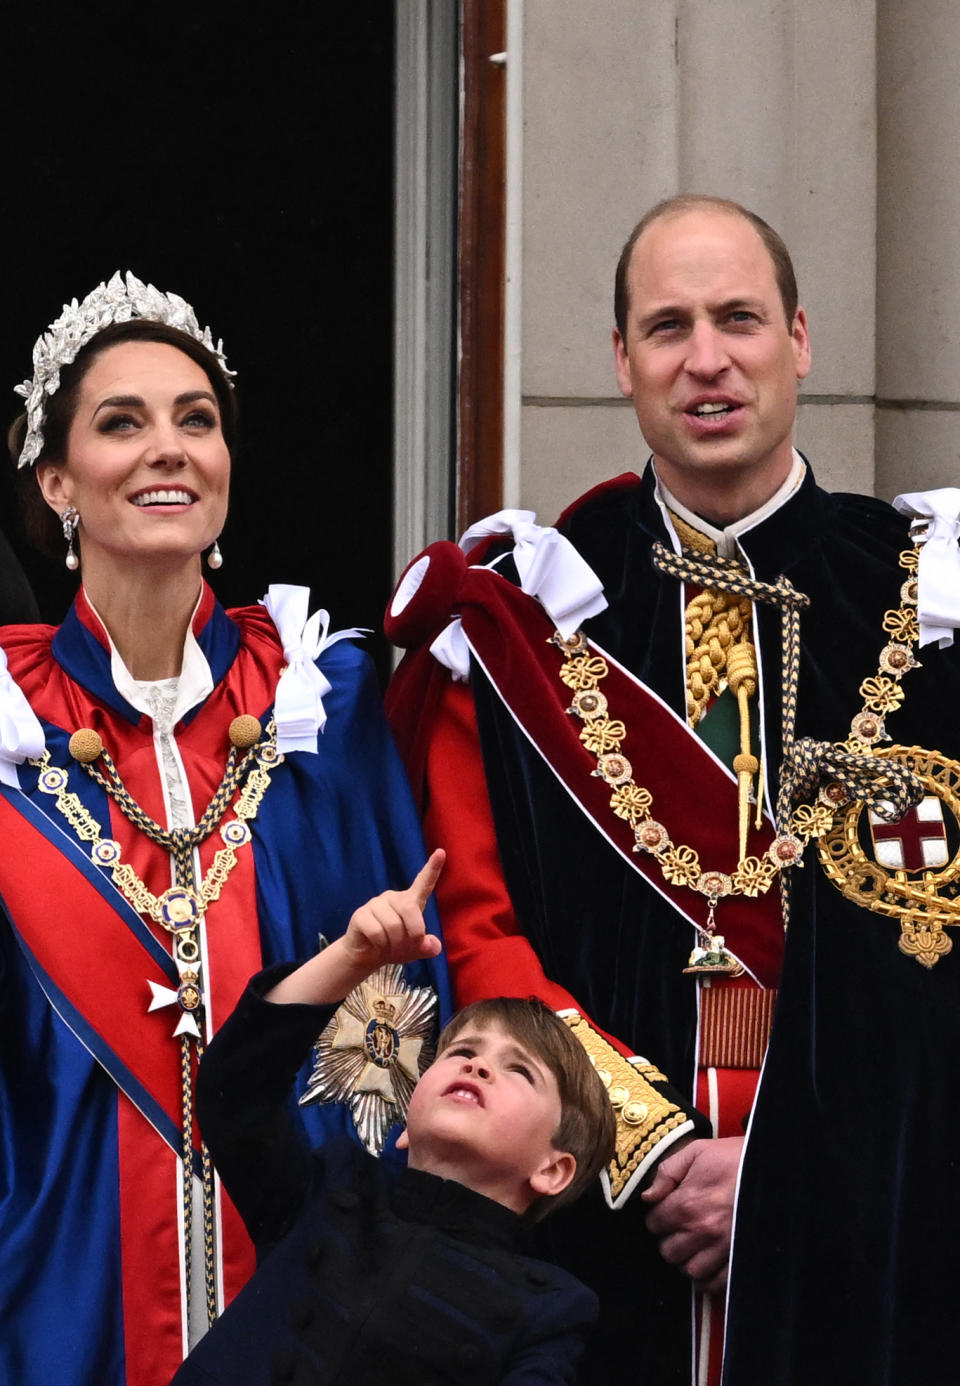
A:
x,y
42,527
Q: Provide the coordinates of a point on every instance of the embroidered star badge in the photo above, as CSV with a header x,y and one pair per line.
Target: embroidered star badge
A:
x,y
373,1051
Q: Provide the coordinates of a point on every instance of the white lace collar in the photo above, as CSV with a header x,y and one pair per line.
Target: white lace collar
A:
x,y
190,687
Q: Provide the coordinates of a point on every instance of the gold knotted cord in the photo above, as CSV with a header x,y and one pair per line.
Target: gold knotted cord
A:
x,y
182,843
185,875
715,623
742,680
719,654
889,788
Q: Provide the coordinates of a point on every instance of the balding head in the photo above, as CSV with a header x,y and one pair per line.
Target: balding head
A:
x,y
688,202
709,358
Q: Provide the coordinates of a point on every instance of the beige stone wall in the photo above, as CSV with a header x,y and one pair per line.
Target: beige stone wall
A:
x,y
918,237
770,102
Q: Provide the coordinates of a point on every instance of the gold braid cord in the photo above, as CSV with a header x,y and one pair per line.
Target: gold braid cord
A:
x,y
186,1157
716,623
644,1115
178,909
209,1225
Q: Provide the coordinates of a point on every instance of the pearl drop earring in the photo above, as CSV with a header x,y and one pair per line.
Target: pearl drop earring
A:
x,y
69,519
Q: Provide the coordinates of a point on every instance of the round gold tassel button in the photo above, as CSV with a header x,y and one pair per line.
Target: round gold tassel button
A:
x,y
86,745
244,731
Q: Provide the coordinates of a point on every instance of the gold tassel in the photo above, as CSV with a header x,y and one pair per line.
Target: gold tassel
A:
x,y
742,680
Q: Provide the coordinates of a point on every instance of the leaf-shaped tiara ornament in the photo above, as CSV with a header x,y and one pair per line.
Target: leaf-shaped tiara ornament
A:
x,y
123,297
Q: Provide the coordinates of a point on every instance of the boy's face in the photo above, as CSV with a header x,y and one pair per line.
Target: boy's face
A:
x,y
484,1113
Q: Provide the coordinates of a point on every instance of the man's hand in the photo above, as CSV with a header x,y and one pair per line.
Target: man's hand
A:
x,y
390,928
691,1208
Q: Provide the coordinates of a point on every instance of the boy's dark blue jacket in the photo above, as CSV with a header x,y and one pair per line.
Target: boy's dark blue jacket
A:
x,y
368,1273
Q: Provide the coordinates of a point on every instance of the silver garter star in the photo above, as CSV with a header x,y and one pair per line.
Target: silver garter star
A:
x,y
373,1051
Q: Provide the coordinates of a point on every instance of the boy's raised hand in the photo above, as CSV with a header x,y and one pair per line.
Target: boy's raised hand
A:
x,y
390,928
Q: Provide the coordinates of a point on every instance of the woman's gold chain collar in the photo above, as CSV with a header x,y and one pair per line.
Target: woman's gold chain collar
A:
x,y
253,755
179,908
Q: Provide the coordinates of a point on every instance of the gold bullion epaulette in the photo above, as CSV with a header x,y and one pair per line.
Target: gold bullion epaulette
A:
x,y
645,1117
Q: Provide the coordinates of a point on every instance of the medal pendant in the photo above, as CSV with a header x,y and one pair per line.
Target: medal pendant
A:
x,y
711,956
924,940
909,870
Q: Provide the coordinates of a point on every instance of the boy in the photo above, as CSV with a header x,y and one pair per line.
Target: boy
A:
x,y
369,1274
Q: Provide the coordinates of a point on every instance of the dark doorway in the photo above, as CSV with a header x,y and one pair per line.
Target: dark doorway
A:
x,y
246,163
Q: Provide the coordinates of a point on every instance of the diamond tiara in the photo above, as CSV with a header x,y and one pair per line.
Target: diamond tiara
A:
x,y
122,298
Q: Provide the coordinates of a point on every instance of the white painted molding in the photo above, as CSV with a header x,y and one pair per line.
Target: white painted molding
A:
x,y
513,258
424,351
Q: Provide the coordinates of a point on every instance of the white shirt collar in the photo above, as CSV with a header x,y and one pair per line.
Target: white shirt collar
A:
x,y
195,681
727,539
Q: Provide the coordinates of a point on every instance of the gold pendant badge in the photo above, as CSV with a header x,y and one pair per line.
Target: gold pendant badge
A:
x,y
909,870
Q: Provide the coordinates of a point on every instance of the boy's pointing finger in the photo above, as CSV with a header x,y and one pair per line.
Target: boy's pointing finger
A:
x,y
426,878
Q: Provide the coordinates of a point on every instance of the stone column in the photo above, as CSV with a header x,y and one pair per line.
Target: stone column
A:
x,y
918,206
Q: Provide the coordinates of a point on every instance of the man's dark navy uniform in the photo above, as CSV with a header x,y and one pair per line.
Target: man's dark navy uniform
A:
x,y
674,955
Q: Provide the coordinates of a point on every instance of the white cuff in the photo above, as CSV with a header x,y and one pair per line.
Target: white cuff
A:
x,y
643,1169
21,734
938,572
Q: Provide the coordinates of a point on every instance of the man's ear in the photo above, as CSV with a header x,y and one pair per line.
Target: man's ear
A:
x,y
621,363
403,1140
554,1174
800,338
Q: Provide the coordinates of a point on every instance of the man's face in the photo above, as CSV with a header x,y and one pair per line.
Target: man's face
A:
x,y
709,360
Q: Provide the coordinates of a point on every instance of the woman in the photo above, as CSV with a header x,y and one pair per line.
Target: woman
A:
x,y
187,795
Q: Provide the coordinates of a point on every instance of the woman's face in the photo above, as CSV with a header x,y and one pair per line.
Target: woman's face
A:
x,y
147,467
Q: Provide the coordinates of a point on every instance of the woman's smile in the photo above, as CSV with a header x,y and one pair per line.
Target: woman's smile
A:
x,y
147,466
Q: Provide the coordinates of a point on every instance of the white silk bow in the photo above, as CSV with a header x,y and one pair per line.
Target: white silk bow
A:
x,y
938,572
550,569
21,734
298,705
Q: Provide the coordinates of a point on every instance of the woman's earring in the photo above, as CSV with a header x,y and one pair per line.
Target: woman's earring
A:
x,y
70,518
215,557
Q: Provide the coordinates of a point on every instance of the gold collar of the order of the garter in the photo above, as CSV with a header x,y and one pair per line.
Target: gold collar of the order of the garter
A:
x,y
859,792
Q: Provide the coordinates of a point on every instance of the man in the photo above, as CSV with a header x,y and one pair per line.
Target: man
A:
x,y
748,621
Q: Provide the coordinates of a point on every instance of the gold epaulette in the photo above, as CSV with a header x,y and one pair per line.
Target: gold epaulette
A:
x,y
644,1115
